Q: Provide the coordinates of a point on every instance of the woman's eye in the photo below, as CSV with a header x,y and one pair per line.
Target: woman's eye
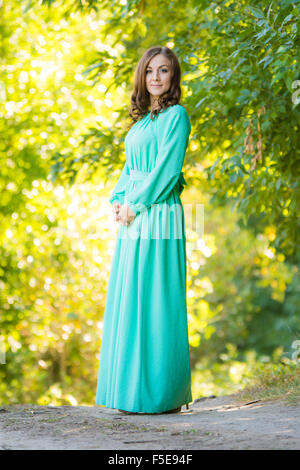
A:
x,y
163,70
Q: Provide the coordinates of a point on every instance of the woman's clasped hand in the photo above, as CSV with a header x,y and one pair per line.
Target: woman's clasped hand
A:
x,y
123,214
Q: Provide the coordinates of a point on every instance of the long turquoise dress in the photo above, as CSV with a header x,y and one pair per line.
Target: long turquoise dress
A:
x,y
144,358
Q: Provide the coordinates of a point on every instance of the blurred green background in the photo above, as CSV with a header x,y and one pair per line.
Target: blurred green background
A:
x,y
66,75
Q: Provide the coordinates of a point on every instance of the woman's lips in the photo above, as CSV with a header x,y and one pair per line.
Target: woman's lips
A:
x,y
156,85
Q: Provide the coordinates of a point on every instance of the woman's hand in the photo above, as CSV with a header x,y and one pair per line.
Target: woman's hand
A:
x,y
116,211
123,214
126,215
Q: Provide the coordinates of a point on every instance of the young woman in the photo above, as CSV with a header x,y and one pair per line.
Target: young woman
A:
x,y
144,358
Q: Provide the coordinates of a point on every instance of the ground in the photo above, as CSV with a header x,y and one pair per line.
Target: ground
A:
x,y
210,423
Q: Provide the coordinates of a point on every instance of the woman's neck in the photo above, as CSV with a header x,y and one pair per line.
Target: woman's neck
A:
x,y
154,103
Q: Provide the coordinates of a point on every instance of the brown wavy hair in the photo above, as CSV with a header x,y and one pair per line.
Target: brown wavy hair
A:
x,y
140,98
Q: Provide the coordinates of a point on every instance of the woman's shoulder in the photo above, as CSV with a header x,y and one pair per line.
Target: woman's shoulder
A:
x,y
175,113
174,120
176,109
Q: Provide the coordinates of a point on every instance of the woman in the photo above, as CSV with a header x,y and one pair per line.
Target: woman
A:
x,y
144,359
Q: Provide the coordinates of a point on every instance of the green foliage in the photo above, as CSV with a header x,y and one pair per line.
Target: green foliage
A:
x,y
55,244
273,381
246,94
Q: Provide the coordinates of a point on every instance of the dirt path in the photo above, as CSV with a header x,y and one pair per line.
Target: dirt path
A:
x,y
212,423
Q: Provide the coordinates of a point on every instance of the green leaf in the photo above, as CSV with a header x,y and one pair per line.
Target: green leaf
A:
x,y
257,12
233,177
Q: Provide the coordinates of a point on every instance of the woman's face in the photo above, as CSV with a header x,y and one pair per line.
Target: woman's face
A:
x,y
158,76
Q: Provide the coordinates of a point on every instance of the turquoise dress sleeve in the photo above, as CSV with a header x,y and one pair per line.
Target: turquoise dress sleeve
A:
x,y
118,193
172,130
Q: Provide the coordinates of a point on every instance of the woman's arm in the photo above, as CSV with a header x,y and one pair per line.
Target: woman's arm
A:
x,y
172,129
119,191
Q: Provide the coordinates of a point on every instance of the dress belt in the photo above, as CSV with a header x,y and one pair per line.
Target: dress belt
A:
x,y
138,175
